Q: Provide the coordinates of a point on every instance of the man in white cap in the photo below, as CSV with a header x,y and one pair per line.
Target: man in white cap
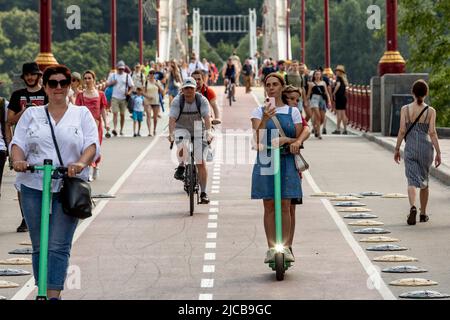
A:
x,y
189,118
122,86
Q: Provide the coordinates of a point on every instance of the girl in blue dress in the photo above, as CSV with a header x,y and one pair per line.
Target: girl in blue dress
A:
x,y
266,135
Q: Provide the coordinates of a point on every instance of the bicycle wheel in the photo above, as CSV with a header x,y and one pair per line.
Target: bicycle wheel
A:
x,y
191,188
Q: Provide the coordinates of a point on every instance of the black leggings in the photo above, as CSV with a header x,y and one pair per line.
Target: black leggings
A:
x,y
2,165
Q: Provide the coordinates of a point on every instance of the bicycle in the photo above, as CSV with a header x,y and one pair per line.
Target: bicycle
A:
x,y
191,179
230,92
50,172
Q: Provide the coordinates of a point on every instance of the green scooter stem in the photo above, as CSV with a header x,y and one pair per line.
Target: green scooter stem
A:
x,y
277,183
45,220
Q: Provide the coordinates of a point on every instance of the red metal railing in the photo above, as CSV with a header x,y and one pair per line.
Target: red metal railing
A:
x,y
358,107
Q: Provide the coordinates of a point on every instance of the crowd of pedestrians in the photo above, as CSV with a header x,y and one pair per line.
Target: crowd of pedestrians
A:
x,y
77,105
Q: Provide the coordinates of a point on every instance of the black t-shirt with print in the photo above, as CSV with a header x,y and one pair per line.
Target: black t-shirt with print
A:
x,y
20,98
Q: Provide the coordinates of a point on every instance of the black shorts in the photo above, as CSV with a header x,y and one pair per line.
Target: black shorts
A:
x,y
232,79
341,103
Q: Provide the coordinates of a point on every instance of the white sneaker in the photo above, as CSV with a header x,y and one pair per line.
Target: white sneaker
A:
x,y
95,174
270,255
91,176
288,256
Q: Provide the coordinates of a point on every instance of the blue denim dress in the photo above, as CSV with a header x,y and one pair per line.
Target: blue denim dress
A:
x,y
263,178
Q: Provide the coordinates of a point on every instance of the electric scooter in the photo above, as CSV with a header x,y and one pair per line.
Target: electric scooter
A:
x,y
50,173
279,265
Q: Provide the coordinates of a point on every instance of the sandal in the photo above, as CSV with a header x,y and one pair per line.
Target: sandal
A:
x,y
412,216
424,218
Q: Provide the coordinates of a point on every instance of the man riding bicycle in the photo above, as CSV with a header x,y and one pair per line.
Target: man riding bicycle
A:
x,y
229,74
189,119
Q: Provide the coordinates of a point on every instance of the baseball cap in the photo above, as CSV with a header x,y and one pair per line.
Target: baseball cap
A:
x,y
120,65
189,83
76,75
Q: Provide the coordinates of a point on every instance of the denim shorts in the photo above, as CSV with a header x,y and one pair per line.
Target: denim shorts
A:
x,y
61,230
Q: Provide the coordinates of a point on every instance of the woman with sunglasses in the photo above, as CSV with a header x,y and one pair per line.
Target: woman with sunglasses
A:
x,y
95,101
153,89
77,138
292,96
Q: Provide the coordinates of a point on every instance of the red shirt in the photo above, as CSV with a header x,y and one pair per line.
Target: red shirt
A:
x,y
208,93
95,105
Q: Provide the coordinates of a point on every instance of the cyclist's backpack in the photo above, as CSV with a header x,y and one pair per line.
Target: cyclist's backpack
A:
x,y
198,102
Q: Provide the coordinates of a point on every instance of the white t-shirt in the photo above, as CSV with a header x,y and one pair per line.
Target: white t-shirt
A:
x,y
138,104
119,89
75,132
2,141
184,73
138,79
195,66
257,113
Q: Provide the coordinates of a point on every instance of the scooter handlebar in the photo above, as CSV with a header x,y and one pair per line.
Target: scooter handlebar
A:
x,y
61,170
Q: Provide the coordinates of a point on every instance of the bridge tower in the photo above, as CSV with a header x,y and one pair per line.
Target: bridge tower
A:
x,y
171,21
276,30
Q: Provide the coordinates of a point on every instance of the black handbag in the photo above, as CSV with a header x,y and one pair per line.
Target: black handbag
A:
x,y
75,194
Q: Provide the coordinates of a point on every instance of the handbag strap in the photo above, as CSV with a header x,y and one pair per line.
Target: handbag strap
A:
x,y
54,137
415,122
278,125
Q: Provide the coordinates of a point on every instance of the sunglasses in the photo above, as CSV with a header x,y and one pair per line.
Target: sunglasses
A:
x,y
151,73
53,84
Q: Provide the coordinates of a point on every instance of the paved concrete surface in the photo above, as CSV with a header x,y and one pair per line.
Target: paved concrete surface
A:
x,y
144,245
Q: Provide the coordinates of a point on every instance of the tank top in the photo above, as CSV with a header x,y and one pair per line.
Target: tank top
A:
x,y
153,92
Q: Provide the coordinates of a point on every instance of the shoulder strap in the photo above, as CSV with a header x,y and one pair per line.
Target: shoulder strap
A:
x,y
182,101
278,125
198,101
54,137
415,122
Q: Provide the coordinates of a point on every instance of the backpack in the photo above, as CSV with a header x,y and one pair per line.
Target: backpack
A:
x,y
198,102
130,104
3,120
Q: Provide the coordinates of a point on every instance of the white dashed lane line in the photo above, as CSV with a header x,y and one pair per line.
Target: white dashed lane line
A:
x,y
207,283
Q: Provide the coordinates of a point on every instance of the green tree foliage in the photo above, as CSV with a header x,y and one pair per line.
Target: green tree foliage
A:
x,y
426,23
352,43
88,51
88,47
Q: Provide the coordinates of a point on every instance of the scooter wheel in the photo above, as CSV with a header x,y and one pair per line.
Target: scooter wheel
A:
x,y
279,266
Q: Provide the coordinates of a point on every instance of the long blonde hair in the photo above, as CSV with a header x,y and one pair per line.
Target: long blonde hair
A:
x,y
344,77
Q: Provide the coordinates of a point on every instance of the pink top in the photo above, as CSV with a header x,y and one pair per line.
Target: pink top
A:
x,y
95,105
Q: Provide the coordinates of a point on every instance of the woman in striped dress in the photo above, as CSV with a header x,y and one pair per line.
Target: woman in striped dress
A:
x,y
418,153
